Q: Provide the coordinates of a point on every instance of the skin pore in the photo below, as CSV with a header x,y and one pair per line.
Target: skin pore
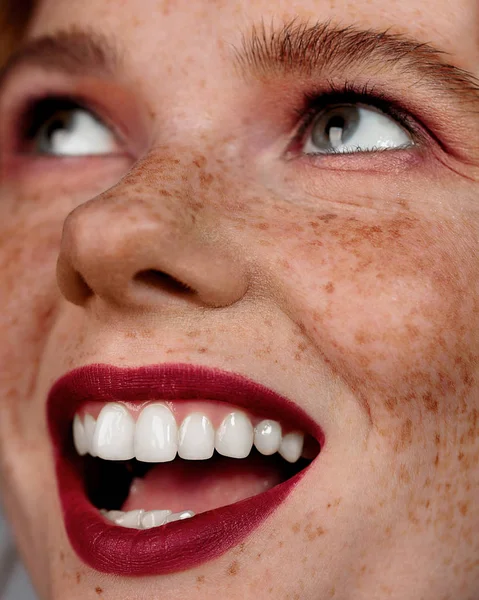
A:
x,y
348,283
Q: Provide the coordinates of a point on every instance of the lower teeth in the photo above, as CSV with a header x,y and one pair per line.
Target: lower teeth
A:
x,y
141,519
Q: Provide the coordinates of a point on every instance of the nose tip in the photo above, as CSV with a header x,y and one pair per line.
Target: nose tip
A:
x,y
139,254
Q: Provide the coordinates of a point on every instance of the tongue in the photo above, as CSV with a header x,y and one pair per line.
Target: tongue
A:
x,y
203,485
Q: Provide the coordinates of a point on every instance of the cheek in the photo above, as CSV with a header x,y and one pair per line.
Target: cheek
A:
x,y
31,223
28,298
390,305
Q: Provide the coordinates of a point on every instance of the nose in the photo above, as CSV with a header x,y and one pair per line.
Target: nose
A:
x,y
144,244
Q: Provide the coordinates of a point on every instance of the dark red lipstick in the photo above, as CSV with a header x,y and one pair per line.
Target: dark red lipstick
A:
x,y
179,545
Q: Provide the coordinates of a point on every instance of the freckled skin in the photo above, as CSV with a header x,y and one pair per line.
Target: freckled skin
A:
x,y
355,294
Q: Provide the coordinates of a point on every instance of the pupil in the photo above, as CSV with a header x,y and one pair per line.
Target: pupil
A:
x,y
336,121
57,124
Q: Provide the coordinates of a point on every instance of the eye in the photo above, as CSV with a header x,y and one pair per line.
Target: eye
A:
x,y
65,129
350,128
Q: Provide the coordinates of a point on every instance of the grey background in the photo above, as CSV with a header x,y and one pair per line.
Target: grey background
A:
x,y
14,581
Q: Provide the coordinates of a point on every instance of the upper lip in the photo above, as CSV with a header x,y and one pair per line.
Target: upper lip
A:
x,y
180,545
107,383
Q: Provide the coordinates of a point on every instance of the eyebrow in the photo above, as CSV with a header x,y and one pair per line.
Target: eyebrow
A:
x,y
297,48
303,50
75,52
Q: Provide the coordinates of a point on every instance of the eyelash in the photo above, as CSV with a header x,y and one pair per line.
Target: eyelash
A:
x,y
350,93
37,110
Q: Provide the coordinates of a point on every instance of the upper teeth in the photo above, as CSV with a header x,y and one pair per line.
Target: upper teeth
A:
x,y
155,437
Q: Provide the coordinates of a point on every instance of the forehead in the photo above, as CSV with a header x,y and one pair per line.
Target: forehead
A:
x,y
205,26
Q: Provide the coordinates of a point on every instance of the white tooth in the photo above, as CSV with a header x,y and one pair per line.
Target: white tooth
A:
x,y
89,424
292,446
79,437
156,434
154,518
114,431
234,437
113,515
131,519
196,438
267,437
186,514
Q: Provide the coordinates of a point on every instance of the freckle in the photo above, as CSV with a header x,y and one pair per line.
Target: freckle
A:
x,y
436,460
258,555
296,528
206,179
200,579
430,403
328,217
200,162
405,435
329,287
404,474
391,403
233,568
313,533
281,544
202,350
98,590
362,337
403,203
78,577
412,517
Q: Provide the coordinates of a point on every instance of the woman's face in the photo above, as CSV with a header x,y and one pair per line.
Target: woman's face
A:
x,y
301,211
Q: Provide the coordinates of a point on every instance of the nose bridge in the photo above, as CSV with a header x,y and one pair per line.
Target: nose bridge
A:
x,y
142,243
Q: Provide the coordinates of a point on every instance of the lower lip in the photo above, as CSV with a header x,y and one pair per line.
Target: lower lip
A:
x,y
170,548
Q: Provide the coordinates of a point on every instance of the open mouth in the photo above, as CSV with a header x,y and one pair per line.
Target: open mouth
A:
x,y
162,468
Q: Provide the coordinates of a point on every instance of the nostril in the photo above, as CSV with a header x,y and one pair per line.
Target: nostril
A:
x,y
157,279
